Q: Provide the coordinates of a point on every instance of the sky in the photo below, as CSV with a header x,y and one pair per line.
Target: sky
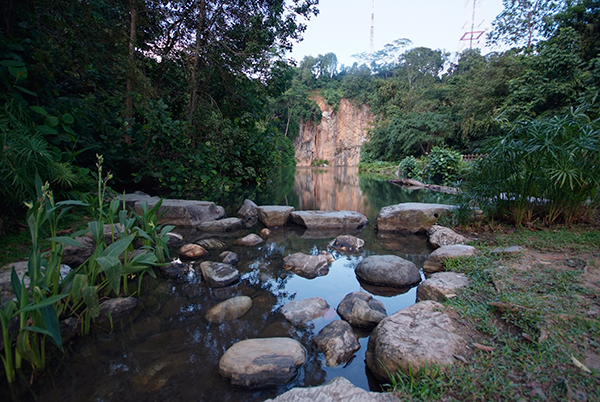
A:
x,y
344,26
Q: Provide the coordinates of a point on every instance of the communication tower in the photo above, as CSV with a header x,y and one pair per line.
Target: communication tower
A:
x,y
372,47
474,27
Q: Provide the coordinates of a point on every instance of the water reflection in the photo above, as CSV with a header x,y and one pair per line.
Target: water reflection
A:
x,y
170,351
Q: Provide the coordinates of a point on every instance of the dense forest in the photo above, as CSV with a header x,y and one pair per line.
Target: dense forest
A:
x,y
196,98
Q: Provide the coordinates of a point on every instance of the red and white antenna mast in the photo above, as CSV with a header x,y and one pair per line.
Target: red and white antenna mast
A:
x,y
372,48
474,27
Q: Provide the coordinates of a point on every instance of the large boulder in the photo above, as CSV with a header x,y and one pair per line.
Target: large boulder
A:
x,y
192,251
75,256
327,220
218,274
229,310
221,225
337,341
387,270
248,211
361,310
274,215
435,261
337,390
180,213
419,335
347,243
442,236
441,285
307,266
262,362
117,308
302,311
410,217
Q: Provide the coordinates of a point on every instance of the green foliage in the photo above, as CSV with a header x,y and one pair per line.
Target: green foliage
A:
x,y
319,162
544,168
442,166
409,168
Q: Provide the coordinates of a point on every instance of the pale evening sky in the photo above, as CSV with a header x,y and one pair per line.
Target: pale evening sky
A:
x,y
343,26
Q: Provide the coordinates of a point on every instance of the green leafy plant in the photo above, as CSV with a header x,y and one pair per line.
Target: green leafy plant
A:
x,y
442,166
409,168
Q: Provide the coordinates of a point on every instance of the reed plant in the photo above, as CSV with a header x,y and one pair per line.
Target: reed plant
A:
x,y
546,168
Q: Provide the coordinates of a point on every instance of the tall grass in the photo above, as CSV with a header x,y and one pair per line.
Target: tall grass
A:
x,y
547,168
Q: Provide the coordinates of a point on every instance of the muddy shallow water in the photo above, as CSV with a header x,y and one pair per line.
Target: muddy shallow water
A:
x,y
168,350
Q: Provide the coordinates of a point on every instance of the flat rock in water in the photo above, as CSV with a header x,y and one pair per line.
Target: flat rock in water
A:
x,y
388,270
229,310
410,217
221,225
338,389
442,236
337,341
229,257
181,213
435,261
192,252
302,311
327,220
219,275
210,244
347,243
307,266
117,308
419,335
175,269
361,310
274,215
262,362
441,285
250,240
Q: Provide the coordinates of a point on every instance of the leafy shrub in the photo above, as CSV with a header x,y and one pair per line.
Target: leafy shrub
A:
x,y
319,162
409,168
442,166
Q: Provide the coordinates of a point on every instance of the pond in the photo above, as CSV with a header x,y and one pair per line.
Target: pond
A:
x,y
169,351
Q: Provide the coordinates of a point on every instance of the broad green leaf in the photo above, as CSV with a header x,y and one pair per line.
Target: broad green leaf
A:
x,y
118,247
25,90
90,296
107,262
52,324
16,283
44,129
24,343
97,230
68,118
79,282
12,63
51,121
46,302
113,274
18,72
66,240
39,109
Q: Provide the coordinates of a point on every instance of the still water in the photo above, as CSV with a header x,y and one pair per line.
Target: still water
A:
x,y
169,351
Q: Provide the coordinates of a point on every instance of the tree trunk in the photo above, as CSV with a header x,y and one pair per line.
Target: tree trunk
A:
x,y
133,12
199,33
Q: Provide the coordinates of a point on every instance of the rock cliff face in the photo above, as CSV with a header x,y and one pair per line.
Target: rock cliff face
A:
x,y
338,138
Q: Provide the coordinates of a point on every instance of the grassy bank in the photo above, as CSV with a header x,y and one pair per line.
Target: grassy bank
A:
x,y
539,337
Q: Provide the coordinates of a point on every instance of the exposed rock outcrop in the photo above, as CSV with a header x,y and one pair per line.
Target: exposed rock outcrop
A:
x,y
338,138
410,217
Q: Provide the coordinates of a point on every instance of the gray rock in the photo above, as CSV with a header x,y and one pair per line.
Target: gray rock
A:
x,y
307,266
338,342
117,308
175,269
69,328
250,240
221,225
262,362
274,215
75,256
248,211
229,310
347,243
326,220
442,236
210,244
411,217
192,252
435,261
180,213
337,390
361,310
419,335
507,250
441,285
229,257
387,270
219,275
302,311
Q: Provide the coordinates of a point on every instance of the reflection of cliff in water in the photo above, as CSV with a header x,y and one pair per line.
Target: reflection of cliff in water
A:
x,y
329,189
